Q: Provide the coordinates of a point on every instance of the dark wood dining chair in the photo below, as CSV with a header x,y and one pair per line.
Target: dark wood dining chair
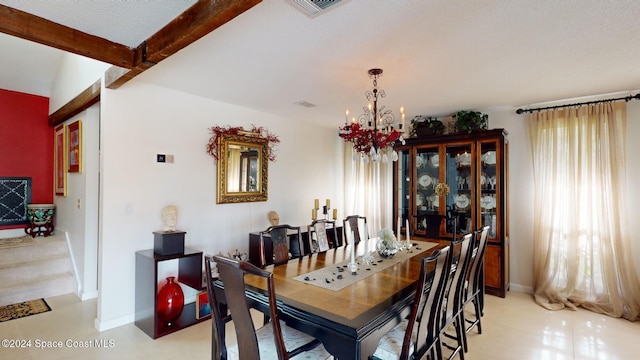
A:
x,y
318,240
453,299
355,228
271,340
218,319
474,286
418,335
285,247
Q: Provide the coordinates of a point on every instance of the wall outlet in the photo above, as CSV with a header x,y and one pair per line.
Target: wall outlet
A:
x,y
161,158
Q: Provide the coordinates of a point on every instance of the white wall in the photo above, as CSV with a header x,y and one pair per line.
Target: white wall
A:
x,y
76,74
140,121
77,212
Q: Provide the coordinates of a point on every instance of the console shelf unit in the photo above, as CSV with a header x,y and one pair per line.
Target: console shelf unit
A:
x,y
189,273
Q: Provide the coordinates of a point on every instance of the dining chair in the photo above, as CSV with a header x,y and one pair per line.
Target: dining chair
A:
x,y
355,228
452,303
474,286
285,247
318,241
218,320
433,223
418,335
271,340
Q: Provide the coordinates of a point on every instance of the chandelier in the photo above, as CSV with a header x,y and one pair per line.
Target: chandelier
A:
x,y
373,134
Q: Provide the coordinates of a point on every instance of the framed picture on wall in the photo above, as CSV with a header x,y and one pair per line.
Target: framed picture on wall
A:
x,y
75,147
59,160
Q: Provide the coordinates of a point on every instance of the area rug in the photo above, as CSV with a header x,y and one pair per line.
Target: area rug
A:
x,y
23,309
17,241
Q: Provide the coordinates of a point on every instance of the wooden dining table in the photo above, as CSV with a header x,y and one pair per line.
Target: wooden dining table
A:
x,y
351,321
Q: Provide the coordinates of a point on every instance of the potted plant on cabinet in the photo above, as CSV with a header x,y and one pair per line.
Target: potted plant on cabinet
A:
x,y
468,121
426,125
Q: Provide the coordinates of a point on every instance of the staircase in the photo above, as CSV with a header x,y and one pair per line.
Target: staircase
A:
x,y
36,271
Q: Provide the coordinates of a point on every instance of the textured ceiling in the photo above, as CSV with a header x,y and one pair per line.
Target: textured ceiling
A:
x,y
438,56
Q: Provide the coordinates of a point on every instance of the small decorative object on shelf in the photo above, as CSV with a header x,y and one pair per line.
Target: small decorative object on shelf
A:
x,y
422,125
40,217
387,246
442,189
170,302
325,210
467,121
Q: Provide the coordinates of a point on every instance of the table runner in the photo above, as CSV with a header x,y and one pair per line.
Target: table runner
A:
x,y
337,276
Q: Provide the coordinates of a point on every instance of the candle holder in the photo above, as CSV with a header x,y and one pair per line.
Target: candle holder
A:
x,y
353,267
367,258
325,210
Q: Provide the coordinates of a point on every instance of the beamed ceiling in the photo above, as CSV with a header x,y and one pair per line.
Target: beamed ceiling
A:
x,y
438,56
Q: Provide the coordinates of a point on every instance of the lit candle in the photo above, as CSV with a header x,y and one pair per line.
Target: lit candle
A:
x,y
335,214
316,202
328,204
346,116
353,119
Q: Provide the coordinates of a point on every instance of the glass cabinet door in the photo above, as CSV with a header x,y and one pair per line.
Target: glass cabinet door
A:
x,y
461,181
488,184
427,177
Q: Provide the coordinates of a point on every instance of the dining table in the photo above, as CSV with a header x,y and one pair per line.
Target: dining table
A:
x,y
349,320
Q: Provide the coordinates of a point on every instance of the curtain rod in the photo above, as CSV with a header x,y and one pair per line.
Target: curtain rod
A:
x,y
627,98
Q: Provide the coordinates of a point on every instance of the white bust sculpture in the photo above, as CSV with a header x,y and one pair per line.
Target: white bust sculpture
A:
x,y
169,217
274,218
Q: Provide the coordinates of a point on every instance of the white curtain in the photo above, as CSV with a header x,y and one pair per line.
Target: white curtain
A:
x,y
582,247
368,190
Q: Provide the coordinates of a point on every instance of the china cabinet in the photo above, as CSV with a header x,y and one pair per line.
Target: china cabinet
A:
x,y
474,166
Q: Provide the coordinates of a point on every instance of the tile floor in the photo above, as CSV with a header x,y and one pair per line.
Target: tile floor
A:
x,y
513,328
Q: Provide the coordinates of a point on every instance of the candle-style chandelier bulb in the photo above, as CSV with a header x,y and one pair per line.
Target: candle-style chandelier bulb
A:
x,y
373,135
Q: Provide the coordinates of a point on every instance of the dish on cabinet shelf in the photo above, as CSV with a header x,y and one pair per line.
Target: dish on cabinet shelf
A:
x,y
419,200
489,157
434,200
462,201
464,159
483,180
419,161
425,180
435,160
488,202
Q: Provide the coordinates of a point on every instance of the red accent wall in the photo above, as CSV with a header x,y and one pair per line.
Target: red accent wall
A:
x,y
26,143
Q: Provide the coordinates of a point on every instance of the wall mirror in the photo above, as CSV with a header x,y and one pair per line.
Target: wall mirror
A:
x,y
242,168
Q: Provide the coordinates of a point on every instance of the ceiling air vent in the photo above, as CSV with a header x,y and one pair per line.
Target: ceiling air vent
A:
x,y
314,8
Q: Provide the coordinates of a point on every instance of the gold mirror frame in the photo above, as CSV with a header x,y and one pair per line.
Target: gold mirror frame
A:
x,y
250,141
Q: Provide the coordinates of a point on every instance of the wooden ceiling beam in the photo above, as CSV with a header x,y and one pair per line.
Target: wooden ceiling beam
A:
x,y
30,27
197,21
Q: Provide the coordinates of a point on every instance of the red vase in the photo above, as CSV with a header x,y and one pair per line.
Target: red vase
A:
x,y
170,302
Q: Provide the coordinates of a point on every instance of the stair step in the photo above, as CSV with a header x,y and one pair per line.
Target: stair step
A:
x,y
26,271
45,286
43,248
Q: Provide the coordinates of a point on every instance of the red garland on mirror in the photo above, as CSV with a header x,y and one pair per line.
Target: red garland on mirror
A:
x,y
216,131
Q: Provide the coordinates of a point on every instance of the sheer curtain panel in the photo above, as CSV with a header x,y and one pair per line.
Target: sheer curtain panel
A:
x,y
581,244
368,190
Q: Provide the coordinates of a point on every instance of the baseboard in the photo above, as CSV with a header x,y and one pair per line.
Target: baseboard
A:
x,y
114,323
520,288
84,296
9,233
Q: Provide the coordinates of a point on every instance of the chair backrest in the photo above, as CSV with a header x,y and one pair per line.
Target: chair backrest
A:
x,y
355,228
283,245
218,347
426,309
433,223
232,275
477,262
318,232
461,252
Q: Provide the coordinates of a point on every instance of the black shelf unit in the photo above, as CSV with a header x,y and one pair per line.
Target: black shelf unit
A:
x,y
189,273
